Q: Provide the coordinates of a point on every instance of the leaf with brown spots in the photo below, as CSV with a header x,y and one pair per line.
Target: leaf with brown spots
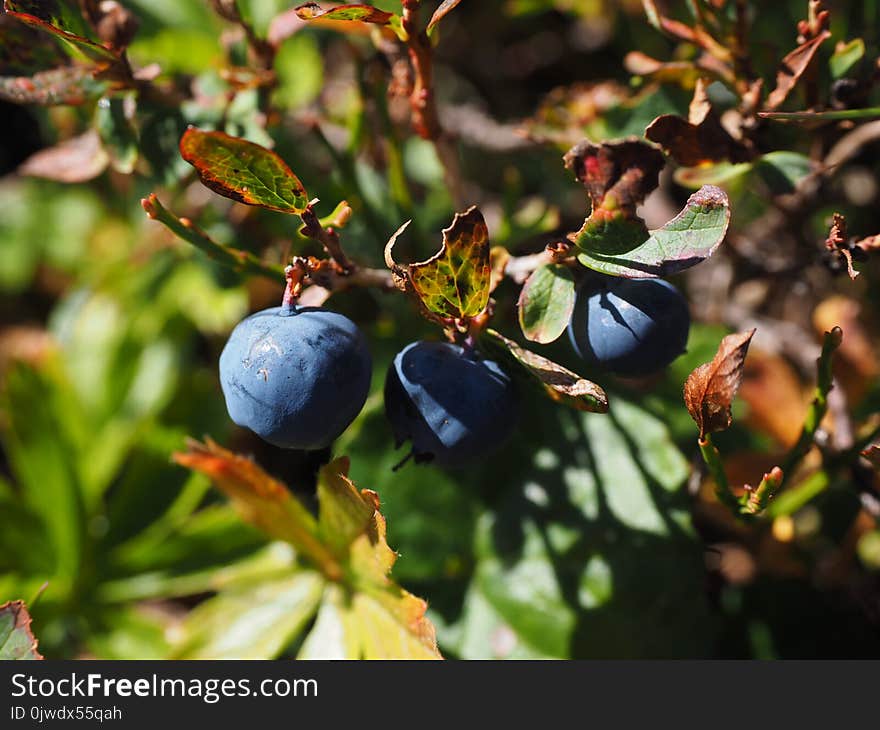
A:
x,y
455,282
243,171
17,641
710,388
559,383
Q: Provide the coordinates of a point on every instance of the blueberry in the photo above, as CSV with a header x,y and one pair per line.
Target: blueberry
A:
x,y
297,380
452,404
629,326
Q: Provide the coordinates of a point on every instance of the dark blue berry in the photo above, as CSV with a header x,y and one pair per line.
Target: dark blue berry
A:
x,y
298,379
629,327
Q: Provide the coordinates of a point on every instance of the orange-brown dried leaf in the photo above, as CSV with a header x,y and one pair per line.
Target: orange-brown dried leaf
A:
x,y
710,388
261,499
792,68
700,138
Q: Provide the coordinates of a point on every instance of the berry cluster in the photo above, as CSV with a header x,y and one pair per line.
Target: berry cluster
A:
x,y
298,376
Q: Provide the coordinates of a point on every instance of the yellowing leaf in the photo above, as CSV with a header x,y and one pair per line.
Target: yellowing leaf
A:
x,y
455,282
362,611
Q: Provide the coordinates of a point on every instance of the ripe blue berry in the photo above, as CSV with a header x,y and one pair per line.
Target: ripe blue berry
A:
x,y
453,405
296,379
629,326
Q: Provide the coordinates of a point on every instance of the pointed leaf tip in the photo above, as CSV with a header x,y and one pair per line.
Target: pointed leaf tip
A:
x,y
710,388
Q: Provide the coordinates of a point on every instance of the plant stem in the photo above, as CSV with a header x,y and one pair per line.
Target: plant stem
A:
x,y
722,487
233,258
819,406
423,103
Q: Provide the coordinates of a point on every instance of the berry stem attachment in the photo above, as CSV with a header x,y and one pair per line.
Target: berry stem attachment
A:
x,y
295,274
327,237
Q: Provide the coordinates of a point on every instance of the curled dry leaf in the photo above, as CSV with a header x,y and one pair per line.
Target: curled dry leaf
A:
x,y
838,242
700,138
710,388
356,13
617,175
17,641
792,68
454,283
75,160
442,10
559,383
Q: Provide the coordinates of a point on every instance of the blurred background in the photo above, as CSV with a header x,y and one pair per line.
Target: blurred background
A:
x,y
589,536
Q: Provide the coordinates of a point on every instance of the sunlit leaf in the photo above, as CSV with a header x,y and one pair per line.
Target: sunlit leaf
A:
x,y
846,56
243,171
689,238
455,282
346,543
546,303
355,13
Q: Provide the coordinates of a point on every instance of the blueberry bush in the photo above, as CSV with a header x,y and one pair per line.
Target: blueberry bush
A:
x,y
285,287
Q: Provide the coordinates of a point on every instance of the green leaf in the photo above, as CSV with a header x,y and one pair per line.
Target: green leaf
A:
x,y
117,132
66,85
689,238
17,641
252,622
63,20
455,282
559,384
343,512
590,553
546,303
354,14
783,171
243,171
335,633
845,56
